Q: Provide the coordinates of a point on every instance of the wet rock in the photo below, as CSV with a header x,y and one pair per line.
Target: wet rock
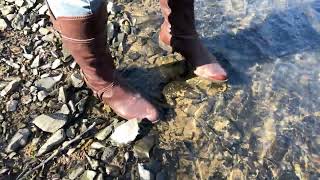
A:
x,y
42,95
19,140
76,172
113,171
104,133
77,80
47,83
10,87
236,174
50,123
12,105
88,175
3,25
108,154
279,148
126,132
56,139
144,173
143,146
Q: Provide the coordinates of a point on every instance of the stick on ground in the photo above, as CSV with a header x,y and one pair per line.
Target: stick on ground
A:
x,y
57,152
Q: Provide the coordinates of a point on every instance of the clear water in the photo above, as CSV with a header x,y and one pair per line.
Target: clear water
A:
x,y
271,49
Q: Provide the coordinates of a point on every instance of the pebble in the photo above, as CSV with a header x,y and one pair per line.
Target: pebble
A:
x,y
144,173
19,3
64,109
143,147
12,105
19,140
113,171
108,154
76,172
35,62
97,145
50,123
3,25
42,95
126,133
10,87
43,10
104,133
77,80
56,139
47,83
71,132
6,10
56,63
62,95
28,56
43,31
88,175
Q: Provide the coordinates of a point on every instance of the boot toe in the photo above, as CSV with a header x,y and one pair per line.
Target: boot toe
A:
x,y
213,72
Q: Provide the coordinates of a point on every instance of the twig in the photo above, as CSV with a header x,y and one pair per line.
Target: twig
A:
x,y
57,152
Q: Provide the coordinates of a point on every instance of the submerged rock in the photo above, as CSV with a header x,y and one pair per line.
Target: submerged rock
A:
x,y
126,133
50,123
19,140
56,139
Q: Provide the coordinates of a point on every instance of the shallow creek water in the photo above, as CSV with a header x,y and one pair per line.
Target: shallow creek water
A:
x,y
265,123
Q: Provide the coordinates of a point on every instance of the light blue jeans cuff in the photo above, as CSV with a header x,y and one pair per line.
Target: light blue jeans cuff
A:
x,y
74,7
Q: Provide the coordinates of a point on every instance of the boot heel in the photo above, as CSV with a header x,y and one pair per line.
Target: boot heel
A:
x,y
165,47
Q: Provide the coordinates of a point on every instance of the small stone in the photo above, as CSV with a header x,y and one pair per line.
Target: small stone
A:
x,y
126,132
71,132
56,139
77,80
19,140
97,145
144,173
99,177
64,109
6,10
50,123
88,175
143,146
3,25
43,31
10,87
35,62
104,133
113,171
62,95
28,56
12,105
47,83
108,154
76,172
42,95
56,63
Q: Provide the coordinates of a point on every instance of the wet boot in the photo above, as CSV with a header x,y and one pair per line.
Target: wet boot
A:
x,y
178,34
85,38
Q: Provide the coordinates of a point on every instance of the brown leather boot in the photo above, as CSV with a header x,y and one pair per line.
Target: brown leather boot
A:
x,y
178,33
85,38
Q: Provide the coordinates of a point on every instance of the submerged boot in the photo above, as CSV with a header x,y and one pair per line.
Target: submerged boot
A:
x,y
178,34
85,38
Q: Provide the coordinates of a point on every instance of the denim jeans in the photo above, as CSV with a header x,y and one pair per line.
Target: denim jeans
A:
x,y
73,7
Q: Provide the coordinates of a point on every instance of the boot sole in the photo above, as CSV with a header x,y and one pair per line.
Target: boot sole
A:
x,y
168,48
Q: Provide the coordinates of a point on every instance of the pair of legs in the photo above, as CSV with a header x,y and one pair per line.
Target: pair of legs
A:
x,y
81,24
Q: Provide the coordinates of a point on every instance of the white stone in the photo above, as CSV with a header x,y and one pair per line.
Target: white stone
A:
x,y
126,133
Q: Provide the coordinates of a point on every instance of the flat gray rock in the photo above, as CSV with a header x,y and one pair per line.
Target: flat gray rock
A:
x,y
50,123
10,87
47,83
19,140
56,139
